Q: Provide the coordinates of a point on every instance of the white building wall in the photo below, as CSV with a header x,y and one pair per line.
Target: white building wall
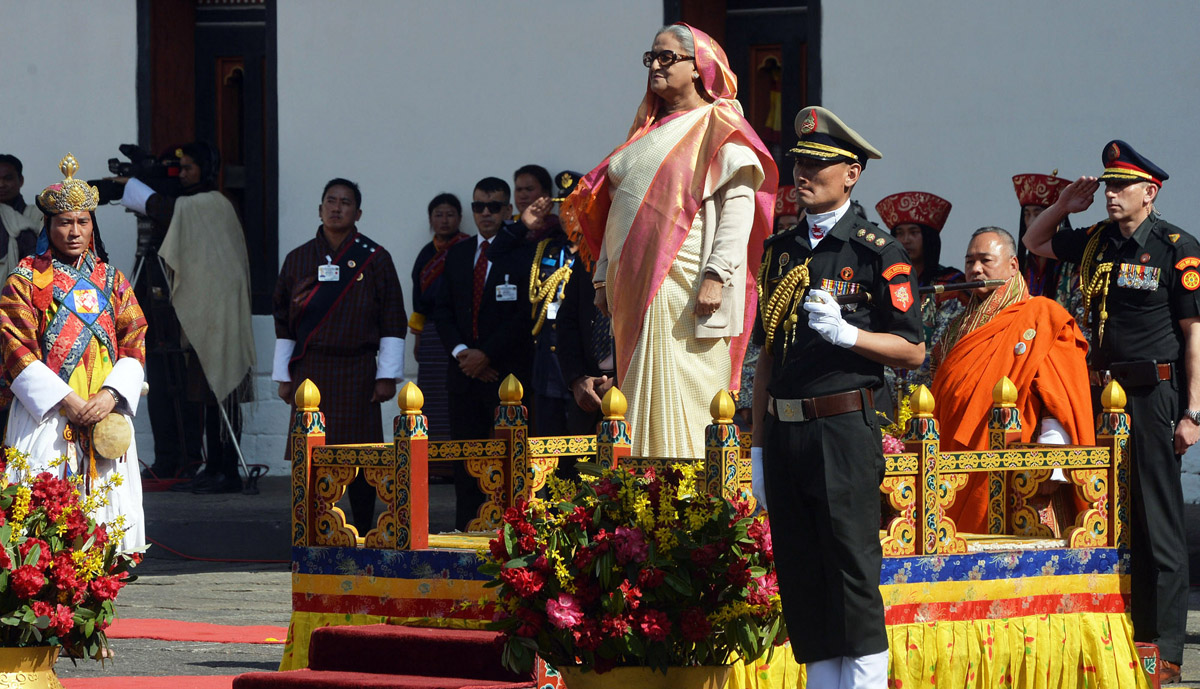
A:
x,y
961,96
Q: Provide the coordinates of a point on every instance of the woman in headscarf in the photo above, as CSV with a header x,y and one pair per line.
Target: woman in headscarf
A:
x,y
445,219
74,351
675,219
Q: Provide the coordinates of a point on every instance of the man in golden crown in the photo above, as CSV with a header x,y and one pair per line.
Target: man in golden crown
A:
x,y
73,341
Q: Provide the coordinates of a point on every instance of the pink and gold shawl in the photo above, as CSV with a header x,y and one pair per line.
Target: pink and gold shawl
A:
x,y
671,204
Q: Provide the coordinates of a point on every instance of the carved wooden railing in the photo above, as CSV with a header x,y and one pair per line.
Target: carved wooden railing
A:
x,y
922,482
919,484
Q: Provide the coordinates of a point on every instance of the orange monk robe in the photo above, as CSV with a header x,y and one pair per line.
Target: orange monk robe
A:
x,y
1051,378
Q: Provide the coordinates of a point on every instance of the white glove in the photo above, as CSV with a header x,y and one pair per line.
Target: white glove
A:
x,y
825,317
758,482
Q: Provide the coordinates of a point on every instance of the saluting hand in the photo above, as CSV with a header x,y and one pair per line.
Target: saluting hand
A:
x,y
534,215
1078,195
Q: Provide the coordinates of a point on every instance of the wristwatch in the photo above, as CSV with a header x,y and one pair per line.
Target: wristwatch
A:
x,y
1193,415
117,396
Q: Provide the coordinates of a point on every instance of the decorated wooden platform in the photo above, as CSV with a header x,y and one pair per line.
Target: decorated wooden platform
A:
x,y
1014,607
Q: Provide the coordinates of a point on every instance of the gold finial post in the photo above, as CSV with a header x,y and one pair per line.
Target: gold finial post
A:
x,y
1113,398
921,403
308,397
722,407
1004,394
614,405
511,391
411,399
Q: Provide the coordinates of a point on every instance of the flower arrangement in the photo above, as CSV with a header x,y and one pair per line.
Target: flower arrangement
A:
x,y
621,570
894,432
59,570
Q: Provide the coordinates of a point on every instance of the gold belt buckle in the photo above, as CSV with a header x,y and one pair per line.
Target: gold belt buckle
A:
x,y
790,411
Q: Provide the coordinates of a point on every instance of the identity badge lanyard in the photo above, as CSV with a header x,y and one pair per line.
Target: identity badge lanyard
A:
x,y
506,292
330,272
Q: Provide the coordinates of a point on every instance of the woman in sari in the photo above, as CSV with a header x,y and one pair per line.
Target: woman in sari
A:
x,y
74,351
445,217
675,219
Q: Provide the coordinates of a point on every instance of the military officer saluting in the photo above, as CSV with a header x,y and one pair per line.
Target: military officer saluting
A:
x,y
816,431
1140,276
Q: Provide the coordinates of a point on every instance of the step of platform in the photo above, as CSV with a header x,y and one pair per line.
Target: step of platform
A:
x,y
394,656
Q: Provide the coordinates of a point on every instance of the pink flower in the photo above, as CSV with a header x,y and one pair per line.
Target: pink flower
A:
x,y
588,635
654,625
564,612
631,545
27,580
892,444
615,626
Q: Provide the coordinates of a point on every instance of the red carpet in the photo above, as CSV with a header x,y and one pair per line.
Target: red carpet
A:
x,y
174,630
177,682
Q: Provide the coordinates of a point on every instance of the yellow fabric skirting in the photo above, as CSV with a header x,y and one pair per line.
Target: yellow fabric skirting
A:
x,y
1067,651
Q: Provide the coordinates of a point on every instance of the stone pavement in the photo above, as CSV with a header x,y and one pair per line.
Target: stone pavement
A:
x,y
245,580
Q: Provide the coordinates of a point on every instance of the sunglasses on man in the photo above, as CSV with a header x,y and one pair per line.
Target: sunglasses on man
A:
x,y
491,206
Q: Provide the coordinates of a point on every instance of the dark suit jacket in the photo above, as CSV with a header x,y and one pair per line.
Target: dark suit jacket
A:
x,y
501,333
575,322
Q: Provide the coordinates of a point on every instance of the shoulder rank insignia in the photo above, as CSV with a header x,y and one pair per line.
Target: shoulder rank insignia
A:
x,y
1189,262
861,232
1173,237
896,269
880,241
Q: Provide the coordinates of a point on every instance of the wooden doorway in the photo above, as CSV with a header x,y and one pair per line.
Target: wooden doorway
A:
x,y
773,47
207,72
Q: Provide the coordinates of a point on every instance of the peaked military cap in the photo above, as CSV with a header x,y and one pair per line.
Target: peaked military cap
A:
x,y
566,181
825,137
1121,162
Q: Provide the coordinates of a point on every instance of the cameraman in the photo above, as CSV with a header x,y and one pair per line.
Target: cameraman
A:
x,y
201,349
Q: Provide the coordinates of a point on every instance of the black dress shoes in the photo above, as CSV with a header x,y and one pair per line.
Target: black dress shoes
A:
x,y
206,484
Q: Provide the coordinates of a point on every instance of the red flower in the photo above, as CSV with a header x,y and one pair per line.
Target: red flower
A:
x,y
615,626
654,625
607,488
531,622
62,620
5,560
738,573
587,635
77,525
526,544
526,582
760,531
27,580
100,534
105,588
764,587
496,548
695,624
631,594
580,517
704,556
651,578
583,558
44,555
631,545
63,572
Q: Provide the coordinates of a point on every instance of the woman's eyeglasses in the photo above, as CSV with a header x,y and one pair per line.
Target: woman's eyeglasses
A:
x,y
491,206
666,58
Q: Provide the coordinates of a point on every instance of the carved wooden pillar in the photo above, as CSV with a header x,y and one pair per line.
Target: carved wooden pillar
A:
x,y
922,437
1004,427
1112,431
512,425
308,431
405,526
612,435
722,449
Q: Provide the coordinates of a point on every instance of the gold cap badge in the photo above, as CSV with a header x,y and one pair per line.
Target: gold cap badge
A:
x,y
70,194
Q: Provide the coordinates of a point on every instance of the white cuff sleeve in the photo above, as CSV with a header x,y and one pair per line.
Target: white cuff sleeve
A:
x,y
126,378
458,350
1053,432
391,358
136,194
39,389
283,354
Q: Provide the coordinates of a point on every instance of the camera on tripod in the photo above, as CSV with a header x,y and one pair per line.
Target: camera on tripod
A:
x,y
160,174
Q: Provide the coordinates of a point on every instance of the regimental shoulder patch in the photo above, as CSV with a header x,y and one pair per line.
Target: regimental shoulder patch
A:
x,y
1190,280
1173,237
902,297
1188,262
897,269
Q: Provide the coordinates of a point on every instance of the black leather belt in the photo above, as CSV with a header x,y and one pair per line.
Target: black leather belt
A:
x,y
1132,373
809,408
